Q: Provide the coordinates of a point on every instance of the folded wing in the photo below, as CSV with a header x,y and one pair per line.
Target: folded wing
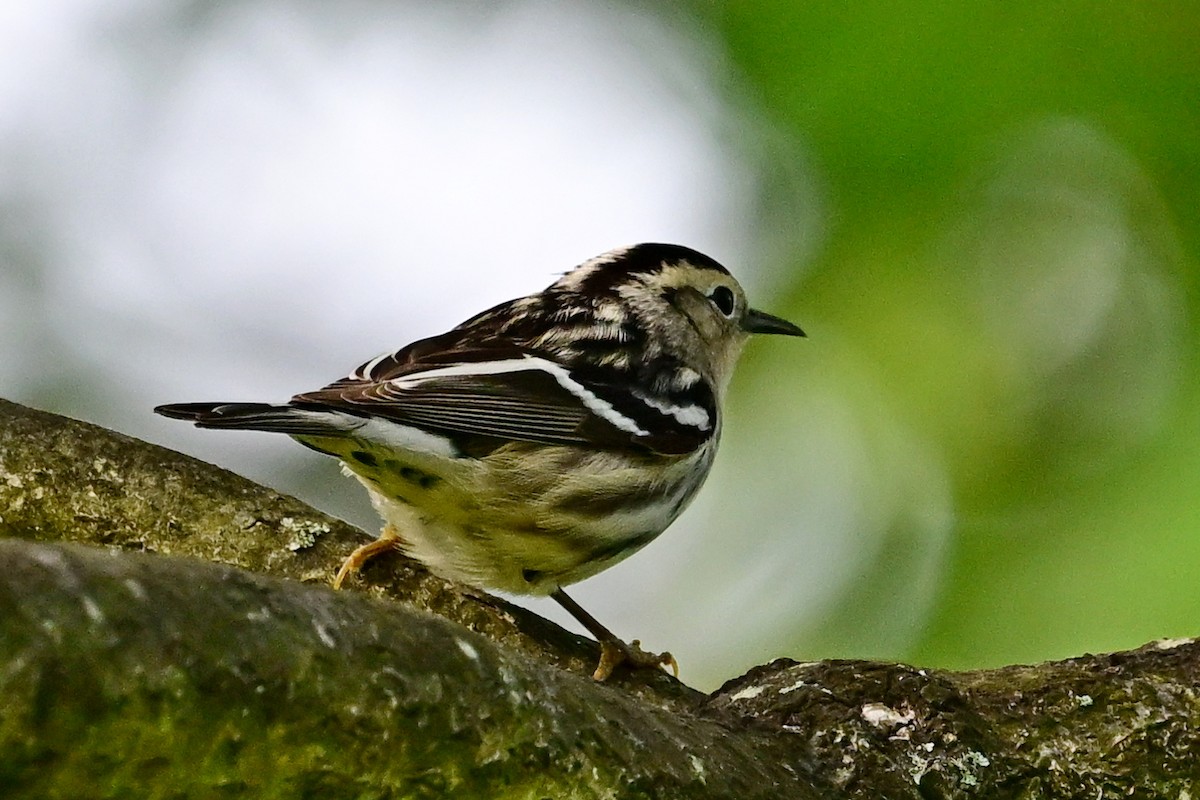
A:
x,y
521,397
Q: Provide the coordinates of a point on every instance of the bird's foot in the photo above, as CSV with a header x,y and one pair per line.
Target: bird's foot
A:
x,y
388,540
614,652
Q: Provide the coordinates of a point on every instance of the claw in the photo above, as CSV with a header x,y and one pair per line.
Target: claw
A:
x,y
389,539
614,652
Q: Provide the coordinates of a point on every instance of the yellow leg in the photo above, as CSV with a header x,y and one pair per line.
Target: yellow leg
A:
x,y
613,651
389,539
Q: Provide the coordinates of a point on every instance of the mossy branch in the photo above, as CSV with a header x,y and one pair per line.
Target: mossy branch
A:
x,y
160,674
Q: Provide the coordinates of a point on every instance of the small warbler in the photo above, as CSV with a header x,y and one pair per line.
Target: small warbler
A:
x,y
543,440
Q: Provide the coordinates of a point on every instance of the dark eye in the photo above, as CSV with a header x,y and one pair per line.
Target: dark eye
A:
x,y
722,298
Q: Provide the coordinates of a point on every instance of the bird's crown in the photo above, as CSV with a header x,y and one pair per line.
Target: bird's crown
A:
x,y
652,310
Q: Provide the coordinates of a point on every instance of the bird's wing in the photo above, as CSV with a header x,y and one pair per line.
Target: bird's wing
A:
x,y
511,395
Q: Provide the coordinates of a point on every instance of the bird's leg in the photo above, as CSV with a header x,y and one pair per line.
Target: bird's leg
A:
x,y
613,651
389,539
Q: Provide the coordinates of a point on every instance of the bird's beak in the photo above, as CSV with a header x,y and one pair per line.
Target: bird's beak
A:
x,y
762,322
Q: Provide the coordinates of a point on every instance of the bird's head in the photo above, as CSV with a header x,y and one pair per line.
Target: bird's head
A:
x,y
679,302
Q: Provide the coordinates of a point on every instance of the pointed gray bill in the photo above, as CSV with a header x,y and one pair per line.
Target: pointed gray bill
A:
x,y
762,322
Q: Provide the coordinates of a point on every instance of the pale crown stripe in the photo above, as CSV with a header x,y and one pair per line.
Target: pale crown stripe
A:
x,y
599,407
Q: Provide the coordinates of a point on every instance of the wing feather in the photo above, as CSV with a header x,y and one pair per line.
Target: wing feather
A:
x,y
521,398
525,405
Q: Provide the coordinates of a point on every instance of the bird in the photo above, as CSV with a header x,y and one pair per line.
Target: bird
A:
x,y
543,440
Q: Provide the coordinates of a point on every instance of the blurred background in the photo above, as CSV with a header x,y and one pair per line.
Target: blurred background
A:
x,y
985,216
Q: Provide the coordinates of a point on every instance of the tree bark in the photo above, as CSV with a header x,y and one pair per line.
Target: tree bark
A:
x,y
130,665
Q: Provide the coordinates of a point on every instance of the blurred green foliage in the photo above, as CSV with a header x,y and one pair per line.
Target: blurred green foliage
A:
x,y
1008,274
988,451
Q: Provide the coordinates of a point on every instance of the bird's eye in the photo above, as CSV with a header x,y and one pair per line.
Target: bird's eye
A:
x,y
722,297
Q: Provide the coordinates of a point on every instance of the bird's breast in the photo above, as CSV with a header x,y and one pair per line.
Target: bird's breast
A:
x,y
529,518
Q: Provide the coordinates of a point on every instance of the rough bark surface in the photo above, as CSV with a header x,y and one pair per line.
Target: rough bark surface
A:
x,y
132,666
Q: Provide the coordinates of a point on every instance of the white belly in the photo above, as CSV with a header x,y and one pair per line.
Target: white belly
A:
x,y
527,519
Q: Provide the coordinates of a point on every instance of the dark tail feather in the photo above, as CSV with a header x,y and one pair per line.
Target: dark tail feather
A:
x,y
257,417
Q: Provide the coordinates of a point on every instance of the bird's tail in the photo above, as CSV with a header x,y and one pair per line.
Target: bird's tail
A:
x,y
258,417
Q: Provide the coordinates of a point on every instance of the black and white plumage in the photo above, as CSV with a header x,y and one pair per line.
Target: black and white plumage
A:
x,y
545,439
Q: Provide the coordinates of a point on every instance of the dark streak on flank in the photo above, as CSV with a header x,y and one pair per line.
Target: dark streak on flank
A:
x,y
531,528
602,504
422,479
413,475
364,458
677,508
622,547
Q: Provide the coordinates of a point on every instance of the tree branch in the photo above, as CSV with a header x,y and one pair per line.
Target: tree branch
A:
x,y
153,673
